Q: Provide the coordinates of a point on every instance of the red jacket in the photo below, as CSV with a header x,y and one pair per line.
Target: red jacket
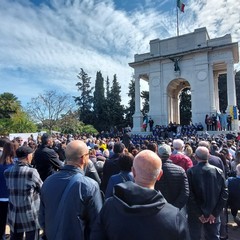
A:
x,y
181,160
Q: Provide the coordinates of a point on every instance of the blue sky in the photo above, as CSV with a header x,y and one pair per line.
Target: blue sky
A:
x,y
44,43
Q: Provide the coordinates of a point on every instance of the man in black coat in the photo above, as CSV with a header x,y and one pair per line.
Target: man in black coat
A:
x,y
208,196
45,158
111,165
137,211
174,183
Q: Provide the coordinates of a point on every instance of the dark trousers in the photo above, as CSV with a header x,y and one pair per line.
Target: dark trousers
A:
x,y
31,235
3,218
210,231
234,211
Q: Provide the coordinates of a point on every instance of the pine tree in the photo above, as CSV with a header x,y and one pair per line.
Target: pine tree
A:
x,y
99,103
185,106
114,102
85,100
131,108
145,97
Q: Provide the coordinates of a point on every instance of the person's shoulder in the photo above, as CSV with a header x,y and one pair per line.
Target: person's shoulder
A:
x,y
171,166
87,182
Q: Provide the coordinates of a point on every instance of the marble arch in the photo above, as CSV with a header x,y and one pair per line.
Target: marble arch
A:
x,y
193,59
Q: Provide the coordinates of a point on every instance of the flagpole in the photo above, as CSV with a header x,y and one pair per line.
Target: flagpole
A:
x,y
177,21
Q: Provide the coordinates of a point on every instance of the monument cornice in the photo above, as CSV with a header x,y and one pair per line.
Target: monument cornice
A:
x,y
233,45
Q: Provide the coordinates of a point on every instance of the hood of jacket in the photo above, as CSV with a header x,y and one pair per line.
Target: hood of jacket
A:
x,y
133,198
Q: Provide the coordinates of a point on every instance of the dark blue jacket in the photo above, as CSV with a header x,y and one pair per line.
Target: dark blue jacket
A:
x,y
121,177
138,213
4,192
234,192
81,206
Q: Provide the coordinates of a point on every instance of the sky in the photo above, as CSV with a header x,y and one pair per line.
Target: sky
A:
x,y
44,43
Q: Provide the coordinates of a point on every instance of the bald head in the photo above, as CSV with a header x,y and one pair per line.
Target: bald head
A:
x,y
202,153
147,168
75,150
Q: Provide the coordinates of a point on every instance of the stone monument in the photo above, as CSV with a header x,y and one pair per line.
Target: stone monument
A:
x,y
192,60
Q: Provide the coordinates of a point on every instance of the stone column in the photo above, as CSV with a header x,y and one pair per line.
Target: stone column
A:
x,y
216,91
137,116
212,90
231,92
231,88
137,94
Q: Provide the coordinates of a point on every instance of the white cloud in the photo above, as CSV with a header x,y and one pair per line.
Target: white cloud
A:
x,y
52,43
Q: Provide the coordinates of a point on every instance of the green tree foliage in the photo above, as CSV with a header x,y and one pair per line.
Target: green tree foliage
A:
x,y
185,106
48,107
9,105
12,118
114,104
70,124
145,96
21,123
85,99
131,103
222,86
99,103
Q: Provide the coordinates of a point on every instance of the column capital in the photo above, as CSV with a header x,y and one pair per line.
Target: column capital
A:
x,y
229,61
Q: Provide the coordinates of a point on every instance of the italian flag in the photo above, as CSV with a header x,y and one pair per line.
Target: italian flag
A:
x,y
180,5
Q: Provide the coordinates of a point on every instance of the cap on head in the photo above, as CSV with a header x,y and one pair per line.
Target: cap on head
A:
x,y
164,151
22,152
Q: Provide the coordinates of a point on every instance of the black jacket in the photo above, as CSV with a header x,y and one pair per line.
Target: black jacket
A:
x,y
135,213
208,192
173,184
46,161
111,167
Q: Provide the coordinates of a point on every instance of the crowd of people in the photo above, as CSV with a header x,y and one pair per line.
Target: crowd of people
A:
x,y
123,187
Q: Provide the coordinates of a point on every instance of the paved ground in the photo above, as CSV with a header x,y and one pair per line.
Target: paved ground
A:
x,y
233,229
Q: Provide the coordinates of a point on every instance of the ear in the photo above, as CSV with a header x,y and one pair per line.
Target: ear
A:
x,y
160,175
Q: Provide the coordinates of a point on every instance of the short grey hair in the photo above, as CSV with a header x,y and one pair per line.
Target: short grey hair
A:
x,y
202,153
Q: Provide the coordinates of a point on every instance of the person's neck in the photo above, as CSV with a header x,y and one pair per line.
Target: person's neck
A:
x,y
24,161
74,164
202,161
145,185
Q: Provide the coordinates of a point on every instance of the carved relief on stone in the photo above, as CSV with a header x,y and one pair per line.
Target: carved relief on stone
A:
x,y
201,75
155,82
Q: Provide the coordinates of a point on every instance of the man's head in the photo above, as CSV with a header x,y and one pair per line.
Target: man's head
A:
x,y
24,154
118,148
147,168
204,144
178,144
77,154
46,139
202,154
164,151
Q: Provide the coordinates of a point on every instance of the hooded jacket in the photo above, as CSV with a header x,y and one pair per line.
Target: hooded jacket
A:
x,y
135,212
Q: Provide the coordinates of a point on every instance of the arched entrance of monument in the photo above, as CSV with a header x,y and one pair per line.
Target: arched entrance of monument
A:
x,y
174,89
